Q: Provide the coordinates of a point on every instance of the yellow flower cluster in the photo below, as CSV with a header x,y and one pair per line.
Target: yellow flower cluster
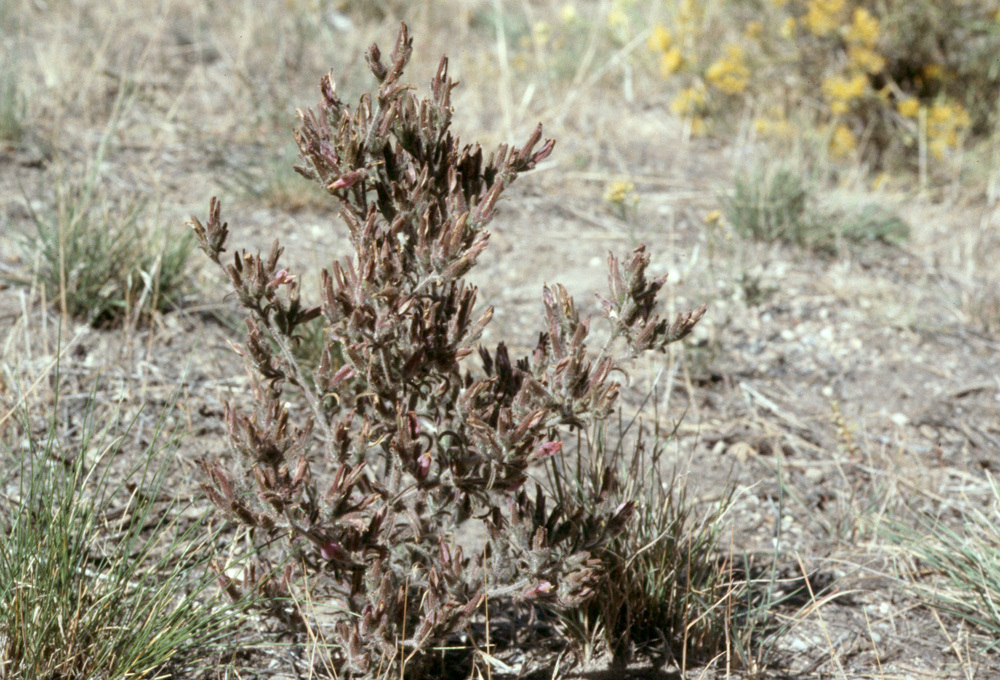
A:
x,y
861,36
621,192
729,74
668,46
823,16
775,125
662,41
689,101
864,29
866,59
932,72
946,122
909,107
842,142
841,91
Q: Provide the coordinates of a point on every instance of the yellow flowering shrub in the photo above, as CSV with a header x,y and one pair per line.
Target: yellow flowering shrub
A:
x,y
947,121
689,101
729,74
841,91
843,143
877,65
823,16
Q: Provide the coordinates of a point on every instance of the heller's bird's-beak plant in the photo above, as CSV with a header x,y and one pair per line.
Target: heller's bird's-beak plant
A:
x,y
395,448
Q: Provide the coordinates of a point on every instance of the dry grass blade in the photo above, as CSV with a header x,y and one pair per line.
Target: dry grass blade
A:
x,y
958,570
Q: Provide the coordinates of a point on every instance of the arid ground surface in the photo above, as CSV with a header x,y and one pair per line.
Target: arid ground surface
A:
x,y
838,393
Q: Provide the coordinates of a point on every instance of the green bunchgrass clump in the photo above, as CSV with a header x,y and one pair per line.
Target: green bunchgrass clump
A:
x,y
669,580
774,204
673,593
100,578
770,204
873,223
981,305
964,564
13,104
101,262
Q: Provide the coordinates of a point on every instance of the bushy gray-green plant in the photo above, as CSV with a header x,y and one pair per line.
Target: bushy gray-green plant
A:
x,y
774,203
104,262
376,464
667,591
13,105
101,263
955,569
99,577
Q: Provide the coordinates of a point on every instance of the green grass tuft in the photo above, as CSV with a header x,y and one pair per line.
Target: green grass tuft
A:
x,y
958,570
100,578
774,204
103,263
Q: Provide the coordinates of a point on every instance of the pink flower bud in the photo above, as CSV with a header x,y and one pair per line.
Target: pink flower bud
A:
x,y
281,278
331,550
544,152
548,449
346,372
345,181
413,424
541,588
423,465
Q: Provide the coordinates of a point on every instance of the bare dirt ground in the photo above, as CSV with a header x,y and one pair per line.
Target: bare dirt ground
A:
x,y
836,393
